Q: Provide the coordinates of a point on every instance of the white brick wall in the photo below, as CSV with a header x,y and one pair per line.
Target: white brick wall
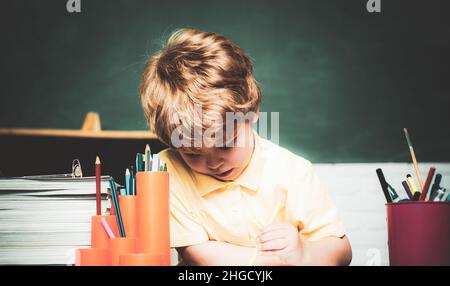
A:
x,y
357,193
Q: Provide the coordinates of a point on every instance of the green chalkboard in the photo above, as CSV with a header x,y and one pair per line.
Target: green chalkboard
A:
x,y
344,81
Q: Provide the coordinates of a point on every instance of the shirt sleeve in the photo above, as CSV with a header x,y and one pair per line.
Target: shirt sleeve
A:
x,y
185,230
313,209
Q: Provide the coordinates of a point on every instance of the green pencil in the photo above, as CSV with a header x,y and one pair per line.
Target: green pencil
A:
x,y
148,158
115,201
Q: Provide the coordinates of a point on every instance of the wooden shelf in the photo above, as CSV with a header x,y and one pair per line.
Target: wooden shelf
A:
x,y
91,128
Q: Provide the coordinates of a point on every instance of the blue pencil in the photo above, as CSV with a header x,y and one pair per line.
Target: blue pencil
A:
x,y
127,182
139,162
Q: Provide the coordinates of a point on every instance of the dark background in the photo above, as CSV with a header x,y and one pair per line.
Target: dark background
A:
x,y
345,81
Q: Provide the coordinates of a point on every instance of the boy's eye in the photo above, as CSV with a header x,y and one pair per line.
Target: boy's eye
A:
x,y
192,155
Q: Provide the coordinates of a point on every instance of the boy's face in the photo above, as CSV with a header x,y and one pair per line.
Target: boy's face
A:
x,y
224,163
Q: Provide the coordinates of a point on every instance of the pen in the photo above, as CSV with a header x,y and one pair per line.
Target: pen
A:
x,y
384,185
407,190
412,185
435,187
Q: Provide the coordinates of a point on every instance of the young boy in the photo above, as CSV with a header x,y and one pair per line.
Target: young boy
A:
x,y
235,198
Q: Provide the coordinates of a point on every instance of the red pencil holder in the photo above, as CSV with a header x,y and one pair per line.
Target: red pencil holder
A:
x,y
419,233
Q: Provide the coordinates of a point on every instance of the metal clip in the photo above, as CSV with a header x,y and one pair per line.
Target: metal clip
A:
x,y
76,169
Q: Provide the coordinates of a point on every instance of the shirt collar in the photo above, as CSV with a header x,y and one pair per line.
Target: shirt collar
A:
x,y
249,178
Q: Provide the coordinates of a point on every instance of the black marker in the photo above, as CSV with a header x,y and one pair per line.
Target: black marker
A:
x,y
435,187
384,185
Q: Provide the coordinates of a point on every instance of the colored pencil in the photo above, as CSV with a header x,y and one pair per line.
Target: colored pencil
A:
x,y
133,185
147,157
139,162
115,201
127,182
413,156
98,194
132,182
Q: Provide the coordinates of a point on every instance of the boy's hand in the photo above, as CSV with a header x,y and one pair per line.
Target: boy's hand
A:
x,y
283,241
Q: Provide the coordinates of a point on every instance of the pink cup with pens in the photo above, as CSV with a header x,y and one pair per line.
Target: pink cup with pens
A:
x,y
419,233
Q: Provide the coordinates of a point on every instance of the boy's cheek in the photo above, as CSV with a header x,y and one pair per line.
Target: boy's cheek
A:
x,y
237,157
194,164
197,167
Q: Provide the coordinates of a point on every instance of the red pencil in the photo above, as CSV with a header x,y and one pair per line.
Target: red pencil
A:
x,y
427,183
98,174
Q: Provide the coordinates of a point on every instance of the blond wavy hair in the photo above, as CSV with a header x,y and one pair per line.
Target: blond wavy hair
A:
x,y
196,68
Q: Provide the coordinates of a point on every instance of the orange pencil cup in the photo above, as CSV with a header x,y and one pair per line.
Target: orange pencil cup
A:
x,y
153,214
140,259
99,237
92,257
128,211
120,246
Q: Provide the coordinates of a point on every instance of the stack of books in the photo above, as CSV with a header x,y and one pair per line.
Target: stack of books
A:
x,y
43,219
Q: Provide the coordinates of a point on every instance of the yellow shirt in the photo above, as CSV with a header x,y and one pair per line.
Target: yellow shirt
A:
x,y
203,208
